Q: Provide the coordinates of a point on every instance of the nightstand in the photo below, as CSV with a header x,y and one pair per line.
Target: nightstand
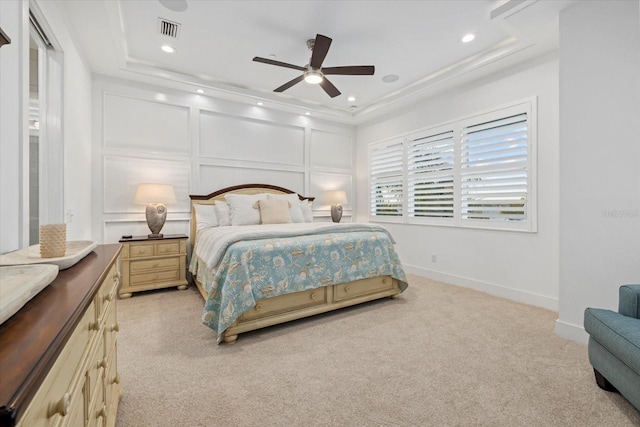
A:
x,y
153,263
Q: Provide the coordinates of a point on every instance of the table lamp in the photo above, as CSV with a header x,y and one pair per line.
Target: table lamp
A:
x,y
336,198
155,196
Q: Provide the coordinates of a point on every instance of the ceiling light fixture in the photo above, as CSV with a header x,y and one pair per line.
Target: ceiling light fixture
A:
x,y
351,98
312,77
468,38
199,90
307,113
390,78
167,48
260,103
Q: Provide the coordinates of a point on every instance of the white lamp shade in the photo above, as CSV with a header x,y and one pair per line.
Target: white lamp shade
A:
x,y
335,197
155,194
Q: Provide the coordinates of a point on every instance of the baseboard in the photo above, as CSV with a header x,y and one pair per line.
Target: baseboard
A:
x,y
571,332
489,288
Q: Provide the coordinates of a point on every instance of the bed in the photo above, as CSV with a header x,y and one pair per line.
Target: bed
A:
x,y
258,272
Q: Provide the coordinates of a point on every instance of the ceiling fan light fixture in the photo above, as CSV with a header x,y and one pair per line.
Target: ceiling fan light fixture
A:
x,y
313,77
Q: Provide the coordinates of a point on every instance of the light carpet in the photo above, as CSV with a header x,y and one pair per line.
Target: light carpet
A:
x,y
440,355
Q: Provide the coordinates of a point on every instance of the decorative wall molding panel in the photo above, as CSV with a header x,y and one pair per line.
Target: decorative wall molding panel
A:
x,y
198,144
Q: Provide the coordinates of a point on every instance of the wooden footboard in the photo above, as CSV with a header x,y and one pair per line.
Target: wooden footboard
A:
x,y
283,308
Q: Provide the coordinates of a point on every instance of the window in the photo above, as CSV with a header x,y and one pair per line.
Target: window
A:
x,y
387,176
430,178
475,172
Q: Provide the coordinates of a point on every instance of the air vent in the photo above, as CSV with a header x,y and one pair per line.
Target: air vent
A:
x,y
168,28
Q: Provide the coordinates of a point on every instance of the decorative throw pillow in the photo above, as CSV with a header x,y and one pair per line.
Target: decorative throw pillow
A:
x,y
295,209
222,212
241,208
307,212
274,211
205,216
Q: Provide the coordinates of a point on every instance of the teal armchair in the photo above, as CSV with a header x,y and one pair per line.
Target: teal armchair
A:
x,y
614,344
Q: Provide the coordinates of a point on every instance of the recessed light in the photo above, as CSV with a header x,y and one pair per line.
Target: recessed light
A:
x,y
468,38
390,78
307,113
199,90
167,48
260,103
351,98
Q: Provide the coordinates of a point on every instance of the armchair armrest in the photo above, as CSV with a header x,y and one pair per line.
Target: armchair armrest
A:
x,y
629,301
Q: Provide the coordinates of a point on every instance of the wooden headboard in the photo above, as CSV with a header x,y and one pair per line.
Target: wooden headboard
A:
x,y
210,199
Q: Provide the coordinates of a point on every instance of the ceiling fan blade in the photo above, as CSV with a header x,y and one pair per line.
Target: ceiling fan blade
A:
x,y
354,70
290,83
278,63
328,87
320,50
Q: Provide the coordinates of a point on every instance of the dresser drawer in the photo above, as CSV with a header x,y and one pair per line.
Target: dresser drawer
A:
x,y
95,372
58,393
363,287
270,306
149,278
154,264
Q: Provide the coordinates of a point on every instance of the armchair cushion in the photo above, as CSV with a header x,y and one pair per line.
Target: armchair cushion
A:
x,y
619,334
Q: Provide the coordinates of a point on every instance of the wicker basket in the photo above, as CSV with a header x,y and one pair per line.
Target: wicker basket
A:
x,y
53,240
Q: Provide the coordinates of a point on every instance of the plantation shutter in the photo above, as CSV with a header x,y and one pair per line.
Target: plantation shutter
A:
x,y
430,177
494,169
386,172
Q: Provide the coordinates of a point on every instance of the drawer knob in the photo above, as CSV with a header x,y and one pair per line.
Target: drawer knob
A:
x,y
94,326
116,379
102,412
346,288
61,407
155,265
314,296
108,297
258,307
115,327
385,280
102,363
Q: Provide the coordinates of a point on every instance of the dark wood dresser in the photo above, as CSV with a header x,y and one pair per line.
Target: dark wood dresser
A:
x,y
58,353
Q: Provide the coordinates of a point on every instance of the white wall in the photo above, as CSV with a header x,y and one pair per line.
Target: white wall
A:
x,y
599,157
14,92
199,144
516,265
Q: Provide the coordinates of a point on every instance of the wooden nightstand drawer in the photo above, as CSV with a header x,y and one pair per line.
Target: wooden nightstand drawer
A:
x,y
154,264
169,248
140,250
150,278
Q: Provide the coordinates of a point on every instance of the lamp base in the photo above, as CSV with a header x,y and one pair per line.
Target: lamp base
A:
x,y
336,213
156,215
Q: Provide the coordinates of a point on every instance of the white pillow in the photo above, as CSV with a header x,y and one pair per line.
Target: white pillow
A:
x,y
242,209
274,211
307,212
222,212
205,216
295,209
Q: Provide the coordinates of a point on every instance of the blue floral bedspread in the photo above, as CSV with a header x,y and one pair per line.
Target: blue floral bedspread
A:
x,y
263,268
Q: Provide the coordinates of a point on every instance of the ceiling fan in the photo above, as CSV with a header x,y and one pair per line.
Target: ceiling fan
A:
x,y
314,73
